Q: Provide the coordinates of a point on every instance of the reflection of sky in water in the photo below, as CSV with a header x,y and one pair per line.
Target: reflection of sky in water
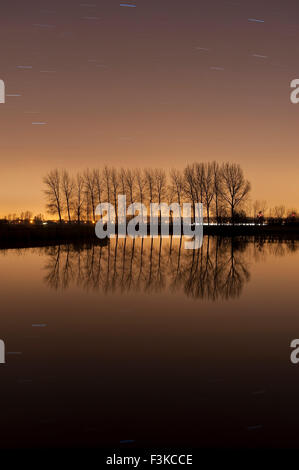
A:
x,y
152,344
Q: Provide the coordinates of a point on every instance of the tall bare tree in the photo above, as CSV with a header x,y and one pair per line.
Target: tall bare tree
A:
x,y
217,184
190,186
141,184
208,188
53,193
78,197
122,181
235,187
130,184
115,185
67,186
160,184
90,187
107,186
161,187
199,173
150,184
176,184
98,185
107,183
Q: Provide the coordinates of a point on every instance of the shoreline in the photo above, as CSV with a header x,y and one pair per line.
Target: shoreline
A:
x,y
27,236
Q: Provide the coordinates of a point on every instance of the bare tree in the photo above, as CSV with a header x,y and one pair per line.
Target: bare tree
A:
x,y
190,186
67,186
150,184
53,193
177,184
160,184
208,187
161,187
122,181
87,205
279,211
141,184
217,183
90,188
235,187
78,197
130,184
115,186
98,185
199,174
107,185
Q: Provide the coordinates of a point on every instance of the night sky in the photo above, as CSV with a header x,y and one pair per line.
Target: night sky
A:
x,y
161,83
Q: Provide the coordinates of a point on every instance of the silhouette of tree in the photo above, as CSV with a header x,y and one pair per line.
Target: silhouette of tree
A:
x,y
176,185
208,188
115,185
141,186
98,185
90,189
78,197
190,186
150,184
235,187
53,193
130,184
217,188
160,186
67,186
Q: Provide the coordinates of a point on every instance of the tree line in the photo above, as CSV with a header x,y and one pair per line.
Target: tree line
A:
x,y
221,188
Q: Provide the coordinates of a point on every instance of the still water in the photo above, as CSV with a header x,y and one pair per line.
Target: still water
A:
x,y
148,342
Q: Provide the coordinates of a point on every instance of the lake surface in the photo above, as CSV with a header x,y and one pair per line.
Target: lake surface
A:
x,y
151,343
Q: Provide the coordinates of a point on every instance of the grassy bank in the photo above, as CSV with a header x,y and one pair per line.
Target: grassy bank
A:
x,y
22,235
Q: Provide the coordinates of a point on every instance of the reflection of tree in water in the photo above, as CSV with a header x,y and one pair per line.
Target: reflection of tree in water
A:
x,y
274,246
218,270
